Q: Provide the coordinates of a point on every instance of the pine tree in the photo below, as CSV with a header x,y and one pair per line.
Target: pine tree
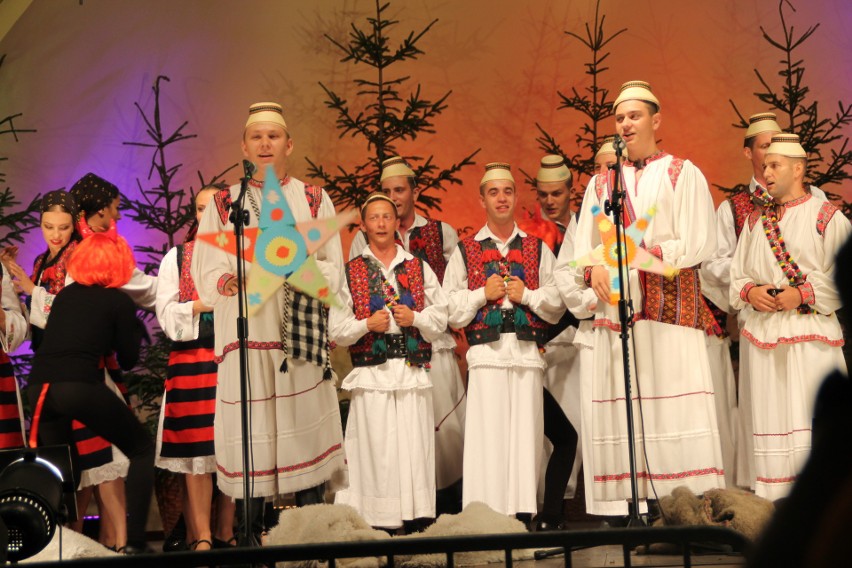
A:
x,y
829,154
15,222
593,103
166,210
162,208
388,120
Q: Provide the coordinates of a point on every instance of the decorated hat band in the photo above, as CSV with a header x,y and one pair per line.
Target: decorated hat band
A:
x,y
395,166
786,144
270,113
761,122
497,171
552,169
636,91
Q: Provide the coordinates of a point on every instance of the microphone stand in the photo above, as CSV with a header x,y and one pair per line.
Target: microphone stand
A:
x,y
240,217
615,206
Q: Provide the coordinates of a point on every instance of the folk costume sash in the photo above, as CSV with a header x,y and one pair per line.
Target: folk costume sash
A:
x,y
789,266
372,292
482,259
426,242
190,380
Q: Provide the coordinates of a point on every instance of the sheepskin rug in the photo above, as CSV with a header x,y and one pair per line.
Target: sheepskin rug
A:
x,y
74,545
736,509
341,523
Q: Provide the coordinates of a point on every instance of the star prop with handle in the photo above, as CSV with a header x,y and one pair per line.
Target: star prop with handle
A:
x,y
633,255
280,249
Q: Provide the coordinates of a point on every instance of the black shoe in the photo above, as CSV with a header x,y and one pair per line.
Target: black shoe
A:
x,y
219,543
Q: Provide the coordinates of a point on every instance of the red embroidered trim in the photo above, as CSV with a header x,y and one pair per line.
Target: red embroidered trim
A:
x,y
746,289
781,434
587,276
791,340
260,345
777,479
186,290
797,201
826,212
224,279
753,217
675,167
427,243
657,251
662,476
287,469
667,397
313,194
222,199
53,277
741,207
806,290
277,396
675,301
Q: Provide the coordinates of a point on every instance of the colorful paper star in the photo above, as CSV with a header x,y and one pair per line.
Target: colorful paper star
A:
x,y
280,249
633,254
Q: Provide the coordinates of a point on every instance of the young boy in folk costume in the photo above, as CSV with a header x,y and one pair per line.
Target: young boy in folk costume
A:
x,y
783,269
185,435
393,307
433,242
501,291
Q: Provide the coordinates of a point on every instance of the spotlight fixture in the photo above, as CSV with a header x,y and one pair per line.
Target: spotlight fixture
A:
x,y
34,487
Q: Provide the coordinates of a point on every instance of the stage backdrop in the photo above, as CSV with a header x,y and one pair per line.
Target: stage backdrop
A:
x,y
75,68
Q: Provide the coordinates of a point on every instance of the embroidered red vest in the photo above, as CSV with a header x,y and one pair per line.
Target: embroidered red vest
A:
x,y
676,301
741,206
427,243
524,255
365,284
186,288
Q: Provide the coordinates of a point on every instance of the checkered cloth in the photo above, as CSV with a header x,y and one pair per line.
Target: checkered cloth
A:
x,y
306,319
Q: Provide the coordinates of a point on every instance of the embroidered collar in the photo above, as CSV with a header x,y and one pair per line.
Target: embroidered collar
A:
x,y
639,164
797,201
401,256
485,233
259,184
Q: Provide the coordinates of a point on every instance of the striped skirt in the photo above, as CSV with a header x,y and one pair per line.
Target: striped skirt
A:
x,y
186,421
11,430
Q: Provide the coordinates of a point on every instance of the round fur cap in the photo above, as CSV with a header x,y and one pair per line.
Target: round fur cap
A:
x,y
761,122
788,145
552,168
636,91
497,170
266,112
395,166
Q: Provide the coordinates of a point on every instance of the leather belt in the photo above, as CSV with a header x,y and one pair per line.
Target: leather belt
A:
x,y
396,345
508,325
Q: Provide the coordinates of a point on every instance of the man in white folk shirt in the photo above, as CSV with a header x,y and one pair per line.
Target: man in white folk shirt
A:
x,y
716,280
296,430
433,242
577,297
501,290
672,389
393,308
553,185
783,268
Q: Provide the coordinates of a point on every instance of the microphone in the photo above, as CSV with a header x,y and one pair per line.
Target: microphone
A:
x,y
248,169
619,145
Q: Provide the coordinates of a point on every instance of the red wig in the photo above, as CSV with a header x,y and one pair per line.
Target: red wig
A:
x,y
103,259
